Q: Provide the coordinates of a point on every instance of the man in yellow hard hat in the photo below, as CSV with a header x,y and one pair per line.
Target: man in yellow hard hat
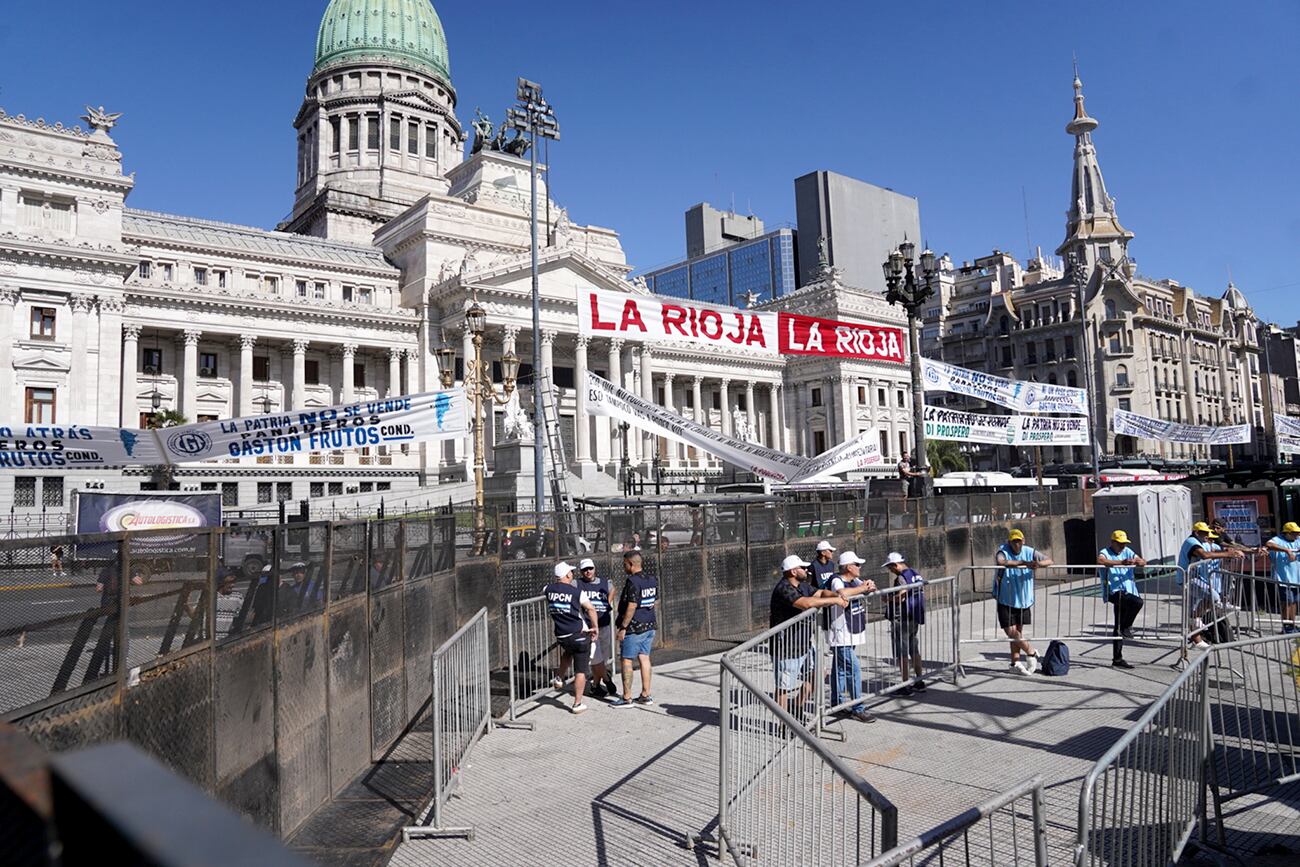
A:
x,y
1284,557
1198,557
1014,590
1119,588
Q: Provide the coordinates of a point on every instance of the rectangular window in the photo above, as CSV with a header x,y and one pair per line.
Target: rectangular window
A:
x,y
902,442
208,365
336,140
230,493
881,399
146,270
40,406
354,132
271,285
207,486
283,491
366,487
146,420
413,139
52,491
200,276
347,293
884,442
202,417
335,489
151,360
318,291
431,142
372,133
317,489
263,492
901,399
395,135
1006,356
862,394
25,491
168,271
717,399
43,319
358,375
816,400
365,295
1069,346
819,441
261,368
301,287
311,371
221,279
383,486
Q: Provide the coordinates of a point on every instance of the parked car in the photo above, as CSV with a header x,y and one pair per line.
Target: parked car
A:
x,y
672,535
524,542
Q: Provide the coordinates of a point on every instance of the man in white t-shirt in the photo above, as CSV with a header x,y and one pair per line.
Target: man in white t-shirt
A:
x,y
846,629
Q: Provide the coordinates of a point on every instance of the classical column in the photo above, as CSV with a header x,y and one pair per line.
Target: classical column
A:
x,y
614,374
548,369
650,443
394,371
631,377
774,426
701,414
246,342
299,399
108,381
190,376
583,424
79,375
751,411
467,352
8,298
670,403
412,370
349,372
726,408
130,358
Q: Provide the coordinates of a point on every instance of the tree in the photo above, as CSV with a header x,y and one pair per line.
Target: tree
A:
x,y
944,456
163,474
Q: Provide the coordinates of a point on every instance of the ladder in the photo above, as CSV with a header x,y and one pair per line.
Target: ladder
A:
x,y
557,468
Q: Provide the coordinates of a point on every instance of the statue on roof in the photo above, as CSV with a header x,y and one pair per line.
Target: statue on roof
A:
x,y
99,119
483,127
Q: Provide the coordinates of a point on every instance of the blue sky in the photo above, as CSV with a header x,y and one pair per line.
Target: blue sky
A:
x,y
664,104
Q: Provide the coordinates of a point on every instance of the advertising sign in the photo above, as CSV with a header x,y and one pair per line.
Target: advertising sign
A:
x,y
1011,393
1246,516
125,513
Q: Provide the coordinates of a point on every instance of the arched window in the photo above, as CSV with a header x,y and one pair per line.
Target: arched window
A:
x,y
1110,309
1072,379
1121,375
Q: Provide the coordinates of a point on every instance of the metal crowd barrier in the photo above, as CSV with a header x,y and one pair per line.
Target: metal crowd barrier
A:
x,y
783,797
1001,831
534,656
889,626
786,662
1230,604
1070,604
1228,725
461,711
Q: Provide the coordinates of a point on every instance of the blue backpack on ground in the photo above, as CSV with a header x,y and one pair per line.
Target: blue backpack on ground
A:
x,y
1056,661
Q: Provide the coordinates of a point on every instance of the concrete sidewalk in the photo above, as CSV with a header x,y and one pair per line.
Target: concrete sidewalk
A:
x,y
628,786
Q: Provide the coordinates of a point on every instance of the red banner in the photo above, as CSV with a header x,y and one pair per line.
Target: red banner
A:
x,y
808,335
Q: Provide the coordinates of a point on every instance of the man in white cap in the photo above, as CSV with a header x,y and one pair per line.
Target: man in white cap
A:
x,y
846,629
823,565
906,613
602,649
575,627
793,653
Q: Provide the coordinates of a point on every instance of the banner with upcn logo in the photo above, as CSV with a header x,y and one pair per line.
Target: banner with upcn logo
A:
x,y
1011,393
128,513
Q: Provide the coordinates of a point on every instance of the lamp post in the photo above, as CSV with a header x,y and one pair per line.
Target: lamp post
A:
x,y
905,290
533,116
265,401
478,382
1086,363
623,428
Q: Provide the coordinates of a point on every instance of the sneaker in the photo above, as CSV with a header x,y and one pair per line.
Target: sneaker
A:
x,y
1019,667
862,716
919,686
621,702
1127,633
1120,663
1033,663
597,691
557,682
907,690
577,708
1200,645
644,699
610,688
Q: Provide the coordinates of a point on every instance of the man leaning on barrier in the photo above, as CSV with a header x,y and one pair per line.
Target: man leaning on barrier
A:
x,y
602,649
636,627
795,660
906,613
575,626
845,630
1283,552
1202,597
1014,590
1120,590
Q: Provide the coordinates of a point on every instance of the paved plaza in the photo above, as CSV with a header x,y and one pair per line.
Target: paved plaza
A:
x,y
628,786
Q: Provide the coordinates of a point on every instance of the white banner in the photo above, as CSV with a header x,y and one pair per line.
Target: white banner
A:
x,y
859,453
31,446
1144,427
1288,445
605,398
1017,430
415,418
1013,394
1287,427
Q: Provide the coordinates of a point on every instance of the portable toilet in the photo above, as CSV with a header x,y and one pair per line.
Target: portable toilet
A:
x,y
1156,518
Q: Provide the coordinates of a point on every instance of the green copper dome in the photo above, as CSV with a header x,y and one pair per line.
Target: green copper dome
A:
x,y
402,32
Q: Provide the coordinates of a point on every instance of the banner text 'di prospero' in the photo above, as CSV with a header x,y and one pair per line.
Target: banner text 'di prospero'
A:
x,y
651,319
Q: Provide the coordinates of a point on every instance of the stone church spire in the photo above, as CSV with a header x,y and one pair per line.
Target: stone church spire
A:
x,y
1092,230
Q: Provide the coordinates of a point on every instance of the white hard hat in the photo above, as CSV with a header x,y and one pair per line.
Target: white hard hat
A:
x,y
794,561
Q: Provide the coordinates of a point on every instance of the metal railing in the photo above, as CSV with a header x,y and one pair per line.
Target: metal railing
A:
x,y
1070,603
892,633
1229,604
783,797
461,712
1001,831
533,655
787,661
1228,725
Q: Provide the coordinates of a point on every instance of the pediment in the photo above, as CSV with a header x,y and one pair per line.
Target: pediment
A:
x,y
43,361
560,274
212,396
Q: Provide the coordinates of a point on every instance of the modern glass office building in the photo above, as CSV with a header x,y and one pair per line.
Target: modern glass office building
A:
x,y
765,267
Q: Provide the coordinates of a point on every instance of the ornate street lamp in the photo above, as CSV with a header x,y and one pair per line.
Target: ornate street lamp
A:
x,y
265,401
903,289
1087,359
478,382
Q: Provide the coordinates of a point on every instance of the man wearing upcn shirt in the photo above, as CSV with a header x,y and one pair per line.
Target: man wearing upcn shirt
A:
x,y
636,627
823,565
575,627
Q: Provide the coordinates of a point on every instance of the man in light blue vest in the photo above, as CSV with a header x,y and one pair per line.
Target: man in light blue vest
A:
x,y
1014,590
1120,590
1197,556
1283,554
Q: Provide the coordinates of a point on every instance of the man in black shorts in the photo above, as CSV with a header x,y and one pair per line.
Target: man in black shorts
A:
x,y
575,627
